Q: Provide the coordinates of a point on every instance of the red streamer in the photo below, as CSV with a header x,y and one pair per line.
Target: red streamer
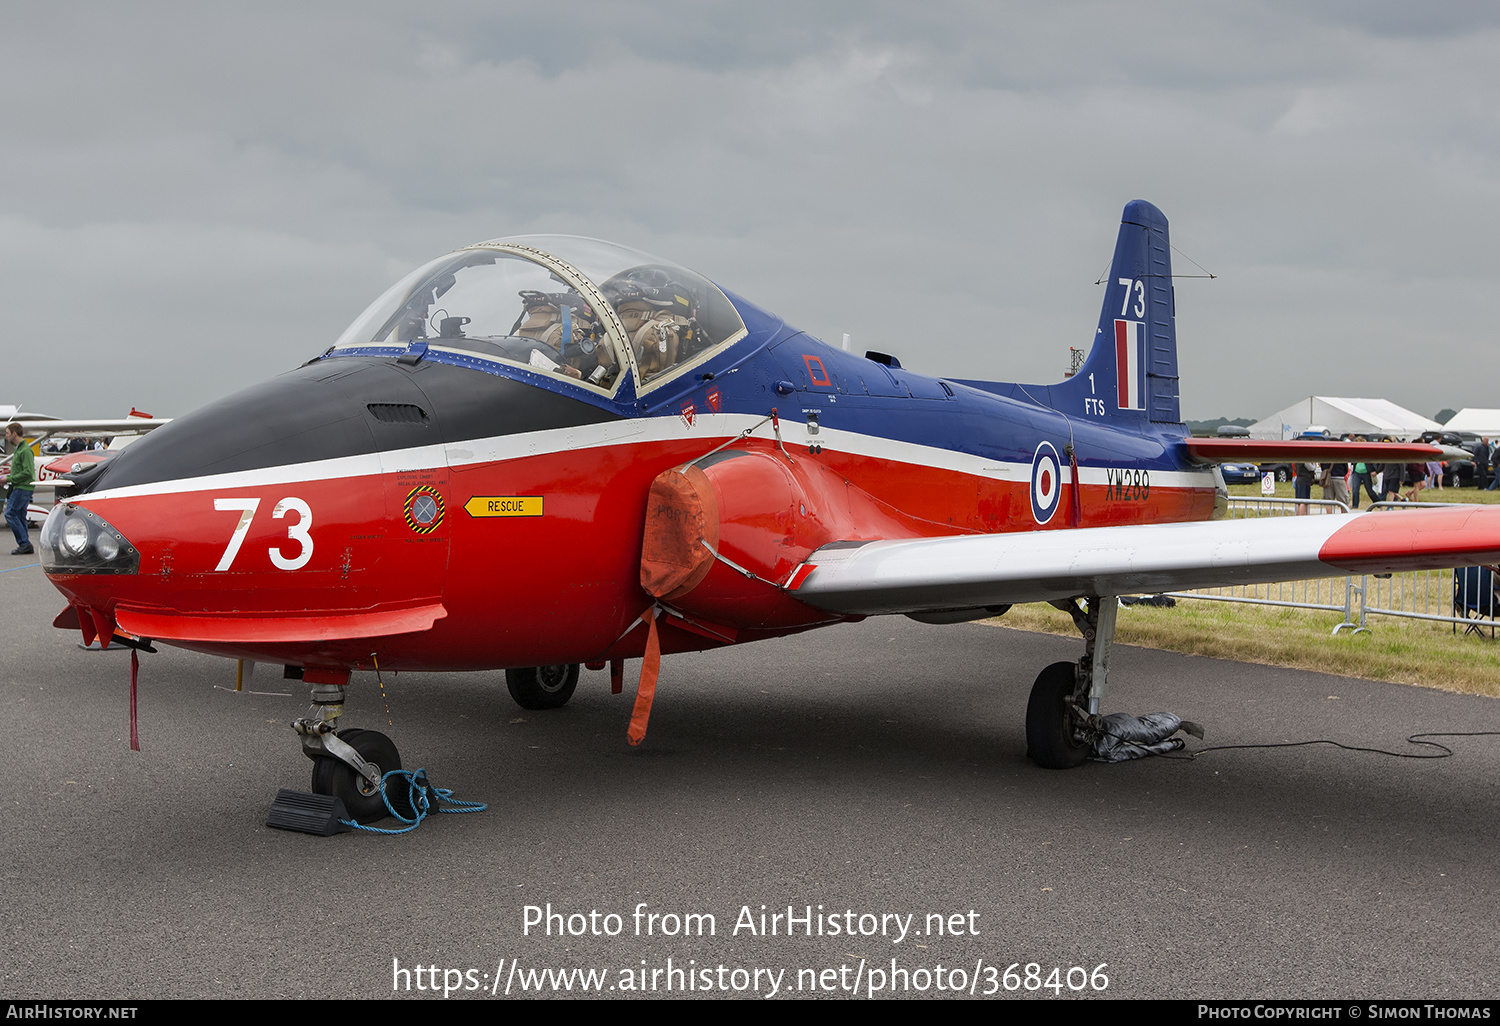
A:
x,y
135,665
646,691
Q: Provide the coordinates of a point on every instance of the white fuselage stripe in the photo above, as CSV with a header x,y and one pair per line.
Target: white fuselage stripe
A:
x,y
712,429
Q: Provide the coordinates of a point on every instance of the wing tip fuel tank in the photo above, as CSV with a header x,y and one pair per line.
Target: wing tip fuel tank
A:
x,y
1416,540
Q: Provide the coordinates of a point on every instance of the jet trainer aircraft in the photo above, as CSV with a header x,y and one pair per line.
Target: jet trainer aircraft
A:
x,y
544,451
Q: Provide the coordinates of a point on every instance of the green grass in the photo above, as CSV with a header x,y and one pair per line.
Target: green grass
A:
x,y
1397,650
1284,491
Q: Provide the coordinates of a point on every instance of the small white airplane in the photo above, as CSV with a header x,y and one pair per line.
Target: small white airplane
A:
x,y
51,467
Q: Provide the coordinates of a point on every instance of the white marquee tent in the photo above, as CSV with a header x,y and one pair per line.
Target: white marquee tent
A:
x,y
1481,422
1369,417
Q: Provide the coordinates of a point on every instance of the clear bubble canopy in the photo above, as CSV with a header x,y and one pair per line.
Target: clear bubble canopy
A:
x,y
580,308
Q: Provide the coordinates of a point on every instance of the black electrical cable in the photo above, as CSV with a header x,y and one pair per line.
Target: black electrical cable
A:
x,y
1443,750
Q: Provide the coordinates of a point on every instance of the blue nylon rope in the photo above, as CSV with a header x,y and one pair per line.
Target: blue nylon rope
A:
x,y
418,789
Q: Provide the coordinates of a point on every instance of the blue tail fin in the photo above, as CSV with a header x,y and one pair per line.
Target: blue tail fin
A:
x,y
1131,370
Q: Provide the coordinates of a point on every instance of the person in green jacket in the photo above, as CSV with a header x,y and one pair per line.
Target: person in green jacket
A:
x,y
22,481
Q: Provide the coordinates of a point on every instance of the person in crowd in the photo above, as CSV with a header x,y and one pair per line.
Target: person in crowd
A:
x,y
21,479
1364,476
1302,485
1390,481
1336,483
1415,479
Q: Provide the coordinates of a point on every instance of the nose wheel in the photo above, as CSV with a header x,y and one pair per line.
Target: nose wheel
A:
x,y
351,763
360,768
362,798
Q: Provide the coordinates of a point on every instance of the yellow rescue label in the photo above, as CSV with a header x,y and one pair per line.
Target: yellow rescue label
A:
x,y
504,506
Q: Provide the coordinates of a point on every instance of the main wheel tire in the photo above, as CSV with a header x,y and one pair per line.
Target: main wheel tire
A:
x,y
542,687
1049,723
336,777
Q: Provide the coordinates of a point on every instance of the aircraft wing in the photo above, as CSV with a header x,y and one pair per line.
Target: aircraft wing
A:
x,y
37,428
976,571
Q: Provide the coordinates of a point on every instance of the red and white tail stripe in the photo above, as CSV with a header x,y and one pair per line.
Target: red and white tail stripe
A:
x,y
1130,343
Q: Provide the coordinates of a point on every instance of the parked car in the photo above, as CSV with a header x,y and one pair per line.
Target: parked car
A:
x,y
1240,473
1286,471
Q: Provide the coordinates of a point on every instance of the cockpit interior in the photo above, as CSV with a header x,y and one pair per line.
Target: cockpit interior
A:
x,y
582,309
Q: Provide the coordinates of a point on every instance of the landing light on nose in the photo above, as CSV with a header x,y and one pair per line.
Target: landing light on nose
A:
x,y
78,541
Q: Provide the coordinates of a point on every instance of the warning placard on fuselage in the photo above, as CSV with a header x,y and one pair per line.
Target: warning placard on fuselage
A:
x,y
504,506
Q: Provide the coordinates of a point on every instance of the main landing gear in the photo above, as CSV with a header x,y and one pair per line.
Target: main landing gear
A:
x,y
1062,717
542,687
349,764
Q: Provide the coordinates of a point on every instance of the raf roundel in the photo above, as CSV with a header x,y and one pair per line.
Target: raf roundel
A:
x,y
1046,482
424,509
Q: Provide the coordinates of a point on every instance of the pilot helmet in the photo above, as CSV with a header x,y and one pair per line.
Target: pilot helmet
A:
x,y
653,286
541,318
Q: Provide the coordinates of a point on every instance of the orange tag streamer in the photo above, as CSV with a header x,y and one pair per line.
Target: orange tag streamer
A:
x,y
646,691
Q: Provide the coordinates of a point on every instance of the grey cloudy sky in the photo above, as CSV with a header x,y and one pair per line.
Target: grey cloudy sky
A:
x,y
194,197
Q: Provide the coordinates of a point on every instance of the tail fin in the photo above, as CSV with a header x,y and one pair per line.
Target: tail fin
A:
x,y
1131,370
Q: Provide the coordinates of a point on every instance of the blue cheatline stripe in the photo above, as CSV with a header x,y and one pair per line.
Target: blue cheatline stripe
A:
x,y
28,566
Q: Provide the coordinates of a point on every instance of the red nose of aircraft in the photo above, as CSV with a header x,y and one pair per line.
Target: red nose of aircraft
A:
x,y
289,520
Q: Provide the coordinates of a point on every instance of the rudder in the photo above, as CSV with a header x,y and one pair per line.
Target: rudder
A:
x,y
1131,370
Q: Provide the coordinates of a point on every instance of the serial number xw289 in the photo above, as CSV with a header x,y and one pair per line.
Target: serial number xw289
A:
x,y
1128,486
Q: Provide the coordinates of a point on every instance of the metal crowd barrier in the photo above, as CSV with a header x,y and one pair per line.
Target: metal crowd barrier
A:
x,y
1247,506
1462,597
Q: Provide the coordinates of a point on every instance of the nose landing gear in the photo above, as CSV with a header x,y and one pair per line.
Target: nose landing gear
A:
x,y
363,799
357,776
349,764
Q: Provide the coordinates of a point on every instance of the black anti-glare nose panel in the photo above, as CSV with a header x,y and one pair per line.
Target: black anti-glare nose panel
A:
x,y
344,407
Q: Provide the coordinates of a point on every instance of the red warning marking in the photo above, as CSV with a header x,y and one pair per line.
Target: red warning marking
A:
x,y
815,371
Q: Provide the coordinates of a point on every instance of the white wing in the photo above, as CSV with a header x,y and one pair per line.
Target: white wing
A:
x,y
974,571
